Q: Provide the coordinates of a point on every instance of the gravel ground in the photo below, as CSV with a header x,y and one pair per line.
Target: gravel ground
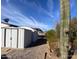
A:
x,y
37,52
74,57
54,57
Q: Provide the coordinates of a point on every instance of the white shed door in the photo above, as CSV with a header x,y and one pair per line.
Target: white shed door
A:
x,y
2,37
8,38
14,38
21,38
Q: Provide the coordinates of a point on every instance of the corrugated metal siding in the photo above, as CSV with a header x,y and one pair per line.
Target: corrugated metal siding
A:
x,y
14,38
2,37
21,38
8,38
27,37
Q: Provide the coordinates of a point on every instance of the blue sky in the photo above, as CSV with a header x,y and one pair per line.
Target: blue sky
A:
x,y
44,14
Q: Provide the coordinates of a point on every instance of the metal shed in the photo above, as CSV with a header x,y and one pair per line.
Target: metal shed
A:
x,y
16,37
34,33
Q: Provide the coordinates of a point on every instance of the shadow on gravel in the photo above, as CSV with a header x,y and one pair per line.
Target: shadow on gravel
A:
x,y
38,42
4,56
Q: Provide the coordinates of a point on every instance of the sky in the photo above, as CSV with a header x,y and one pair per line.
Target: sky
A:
x,y
44,14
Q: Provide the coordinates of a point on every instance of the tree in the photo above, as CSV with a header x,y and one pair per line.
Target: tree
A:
x,y
51,35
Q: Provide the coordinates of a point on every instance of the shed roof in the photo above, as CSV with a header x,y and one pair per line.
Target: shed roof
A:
x,y
29,28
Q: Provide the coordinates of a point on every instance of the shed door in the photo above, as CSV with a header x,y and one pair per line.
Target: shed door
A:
x,y
14,38
8,38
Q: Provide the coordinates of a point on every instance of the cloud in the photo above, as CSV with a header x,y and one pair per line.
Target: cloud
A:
x,y
15,15
39,8
49,13
40,24
50,6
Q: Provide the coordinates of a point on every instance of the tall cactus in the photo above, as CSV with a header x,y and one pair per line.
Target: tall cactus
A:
x,y
64,27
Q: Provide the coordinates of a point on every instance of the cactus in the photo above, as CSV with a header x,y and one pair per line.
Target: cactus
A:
x,y
64,28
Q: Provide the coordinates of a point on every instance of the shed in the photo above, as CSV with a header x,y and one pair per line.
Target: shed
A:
x,y
16,37
34,33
